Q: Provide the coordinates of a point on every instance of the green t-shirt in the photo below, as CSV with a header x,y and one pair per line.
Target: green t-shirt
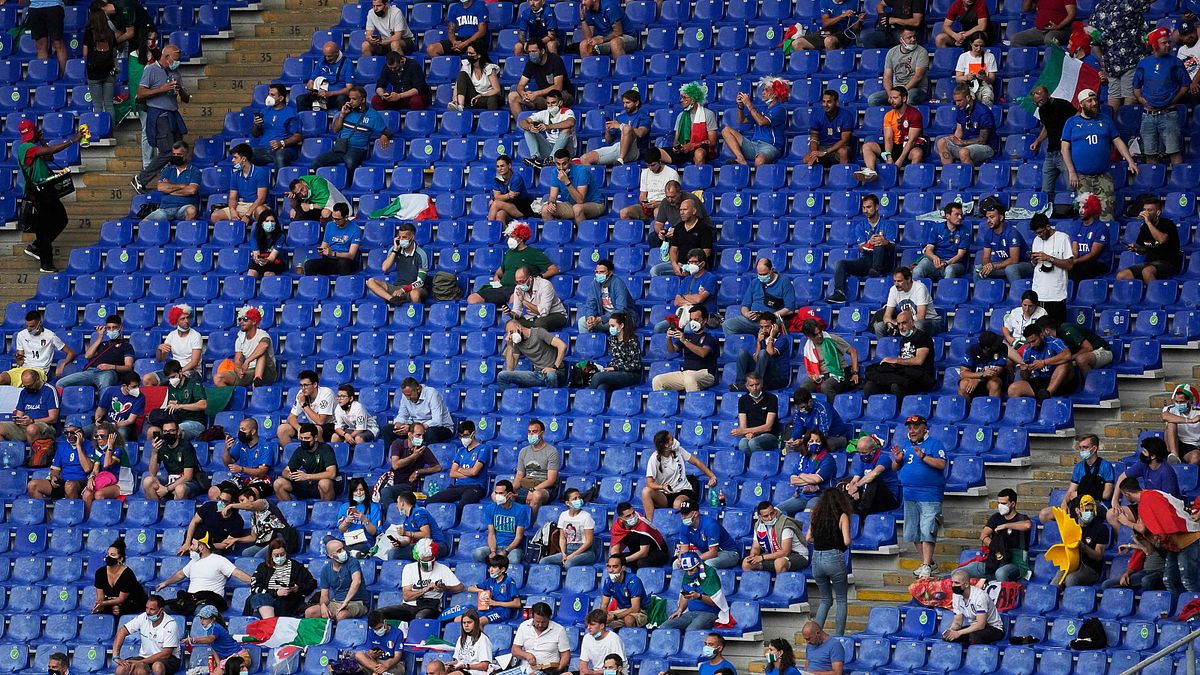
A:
x,y
38,170
1073,335
178,458
318,190
190,392
314,461
533,258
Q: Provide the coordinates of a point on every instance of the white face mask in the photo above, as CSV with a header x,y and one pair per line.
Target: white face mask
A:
x,y
908,333
175,381
466,441
1003,509
631,520
341,556
500,500
689,268
692,326
515,337
381,631
614,577
270,101
194,555
134,391
513,242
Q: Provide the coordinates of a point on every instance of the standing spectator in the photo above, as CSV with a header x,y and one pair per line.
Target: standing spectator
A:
x,y
830,363
544,351
548,130
43,212
100,48
121,405
602,29
1087,142
667,484
624,348
836,28
510,194
1017,319
1092,243
770,361
576,535
419,403
412,270
972,16
540,642
1046,368
352,424
624,590
535,303
536,24
906,66
1006,533
313,198
695,286
1051,23
266,258
875,239
1088,350
1053,113
758,418
338,250
160,90
423,583
811,412
912,372
976,621
383,652
984,368
1122,27
777,545
538,464
688,233
768,293
700,350
831,137
652,182
976,70
33,349
695,131
1159,82
410,459
921,462
762,135
902,140
708,538
1004,253
356,126
276,130
545,72
466,26
974,140
312,472
1052,255
519,254
118,591
158,641
344,594
387,31
1152,470
1182,424
948,253
477,85
359,518
877,488
185,478
249,186
108,355
905,295
713,655
401,84
627,136
607,295
507,520
468,471
253,354
178,186
598,644
829,534
313,404
329,80
182,345
814,476
632,533
1157,242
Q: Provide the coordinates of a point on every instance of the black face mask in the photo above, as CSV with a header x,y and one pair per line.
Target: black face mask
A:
x,y
111,561
245,437
1145,459
346,407
307,445
177,160
169,439
961,590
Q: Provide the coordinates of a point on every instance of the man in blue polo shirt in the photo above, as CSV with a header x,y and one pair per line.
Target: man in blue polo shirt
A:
x,y
947,254
248,457
179,185
466,24
1159,82
767,293
831,135
603,30
1087,142
579,191
875,237
698,286
248,188
329,80
1048,368
276,130
762,134
626,590
357,126
974,140
384,649
823,654
1004,251
921,461
711,541
35,417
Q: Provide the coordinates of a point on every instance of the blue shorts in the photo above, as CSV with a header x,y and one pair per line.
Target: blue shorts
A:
x,y
752,149
922,520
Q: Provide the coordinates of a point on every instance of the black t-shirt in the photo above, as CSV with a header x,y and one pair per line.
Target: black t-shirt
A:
x,y
1167,251
699,237
1015,539
910,345
904,9
1054,115
756,411
541,75
217,527
1095,532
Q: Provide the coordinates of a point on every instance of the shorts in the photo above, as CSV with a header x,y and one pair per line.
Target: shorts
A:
x,y
685,156
170,664
628,42
308,489
796,562
46,22
817,39
525,206
922,520
977,151
448,48
672,496
354,608
566,210
15,432
393,289
243,208
1121,87
552,491
1103,357
14,374
755,148
607,155
1162,269
1161,134
496,295
639,619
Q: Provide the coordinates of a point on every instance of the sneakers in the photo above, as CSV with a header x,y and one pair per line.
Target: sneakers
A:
x,y
453,106
32,253
924,571
137,185
535,162
865,175
836,298
48,268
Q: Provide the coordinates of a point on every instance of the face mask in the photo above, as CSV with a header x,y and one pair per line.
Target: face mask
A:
x,y
1085,454
532,438
499,499
51,671
306,445
764,278
610,671
688,522
1086,517
221,503
134,391
279,559
358,499
1003,509
1145,459
381,631
341,556
769,523
418,441
174,381
268,226
153,617
169,439
907,48
513,242
771,658
183,329
576,504
110,561
908,333
36,331
814,448
601,278
756,395
524,288
708,652
1180,409
174,65
176,160
614,577
112,334
597,634
631,520
237,164
270,101
466,441
961,590
495,575
405,243
693,326
614,331
689,268
245,437
516,337
194,555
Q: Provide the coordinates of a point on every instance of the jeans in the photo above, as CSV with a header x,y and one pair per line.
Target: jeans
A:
x,y
102,96
875,263
800,502
581,560
539,146
162,143
147,147
100,379
190,429
772,369
725,560
1052,168
1160,133
1086,576
1183,569
1007,572
611,380
528,378
759,442
458,494
829,571
482,553
924,269
737,324
253,551
351,157
1143,581
280,158
662,269
1013,273
691,621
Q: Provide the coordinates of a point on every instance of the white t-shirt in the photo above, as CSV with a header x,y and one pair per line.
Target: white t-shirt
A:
x,y
669,471
153,639
208,574
355,419
39,350
391,22
323,404
969,63
547,117
593,651
1016,322
574,526
655,184
545,647
483,85
977,602
480,650
1190,57
916,296
245,346
411,575
182,345
1188,433
1051,285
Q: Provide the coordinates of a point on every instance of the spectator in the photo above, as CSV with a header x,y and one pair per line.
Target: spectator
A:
x,y
1087,142
1152,471
713,656
877,488
1051,253
695,286
634,536
905,295
101,44
1181,570
906,67
668,212
830,363
536,25
543,73
902,140
359,518
160,91
651,184
519,254
510,194
624,590
976,620
579,184
35,418
344,594
576,534
207,575
247,456
401,84
1160,81
544,351
984,368
1046,368
976,70
707,538
972,16
1187,38
816,474
276,130
1093,476
695,129
329,80
911,372
598,644
1005,539
185,478
1018,319
34,348
121,405
423,582
781,660
314,405
473,651
477,85
689,233
387,31
602,27
770,361
185,404
1004,251
548,131
419,403
266,258
810,412
352,424
777,545
67,476
158,641
761,136
314,198
182,345
540,642
1050,24
356,128
1182,424
468,471
249,186
466,26
667,483
947,255
837,26
896,18
210,628
215,525
1122,40
312,472
1145,569
267,524
1093,542
535,303
179,187
607,295
1092,243
338,250
417,524
1053,114
823,654
1157,242
974,140
758,418
410,460
108,355
831,137
876,242
118,591
507,520
538,463
921,463
700,593
384,649
772,294
700,350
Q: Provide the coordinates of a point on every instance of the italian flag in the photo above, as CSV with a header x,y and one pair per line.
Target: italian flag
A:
x,y
1165,514
1064,77
708,583
281,630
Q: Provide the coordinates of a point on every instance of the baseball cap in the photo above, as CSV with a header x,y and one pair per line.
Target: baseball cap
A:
x,y
991,203
1186,27
1085,94
206,612
27,129
686,507
914,419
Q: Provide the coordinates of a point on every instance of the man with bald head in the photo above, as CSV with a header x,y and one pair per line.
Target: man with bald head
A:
x,y
328,82
765,293
824,656
161,90
976,620
909,372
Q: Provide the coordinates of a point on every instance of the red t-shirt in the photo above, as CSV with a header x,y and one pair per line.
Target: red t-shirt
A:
x,y
898,125
1051,11
957,10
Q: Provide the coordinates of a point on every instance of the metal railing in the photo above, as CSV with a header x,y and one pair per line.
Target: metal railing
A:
x,y
1165,652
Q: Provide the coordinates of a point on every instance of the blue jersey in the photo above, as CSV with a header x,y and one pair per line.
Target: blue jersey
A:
x,y
66,460
625,590
360,128
536,25
947,242
1051,346
581,177
505,521
821,464
248,457
247,186
225,646
278,124
774,133
888,477
337,74
389,643
707,534
503,590
466,459
340,239
692,284
1160,78
1091,143
188,175
602,21
864,230
1000,242
976,362
1096,234
922,483
38,404
421,517
515,183
635,119
975,120
821,416
829,130
834,8
467,18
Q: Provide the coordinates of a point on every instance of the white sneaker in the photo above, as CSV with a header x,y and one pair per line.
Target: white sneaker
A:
x,y
865,175
453,106
924,571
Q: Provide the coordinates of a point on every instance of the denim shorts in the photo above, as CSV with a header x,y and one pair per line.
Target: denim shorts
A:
x,y
1161,134
752,149
922,520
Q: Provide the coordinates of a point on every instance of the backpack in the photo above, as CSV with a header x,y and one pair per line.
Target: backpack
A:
x,y
445,287
998,554
545,541
1091,483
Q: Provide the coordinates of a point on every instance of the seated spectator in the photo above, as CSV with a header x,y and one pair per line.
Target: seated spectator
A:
x,y
1160,81
536,24
418,403
216,526
634,536
699,350
207,573
667,484
708,538
157,637
902,140
401,84
410,459
1004,253
1005,539
770,361
121,405
344,594
538,463
417,524
473,651
877,488
810,412
33,349
695,137
267,523
545,352
577,185
423,582
777,545
387,31
179,187
905,67
696,286
1145,568
359,518
535,303
468,471
1088,350
905,295
976,620
912,372
974,140
67,476
519,254
108,355
1093,475
548,131
383,652
338,251
781,658
247,456
976,70
210,628
761,136
920,460
266,258
275,132
314,405
984,368
607,295
313,197
816,474
700,593
624,349
897,17
651,184
356,127
352,424
823,654
668,214
312,472
507,520
830,363
329,80
1051,23
477,85
1157,242
1152,471
831,137
540,642
1181,417
758,418
624,590
185,478
412,270
1052,258
118,591
837,26
1046,369
875,238
248,188
767,293
1018,319
510,194
186,404
601,649
972,17
498,593
948,253
1092,544
688,233
576,535
182,345
543,73
35,418
1092,243
466,26
602,27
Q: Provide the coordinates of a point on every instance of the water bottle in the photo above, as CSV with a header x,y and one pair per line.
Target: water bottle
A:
x,y
721,497
664,251
713,500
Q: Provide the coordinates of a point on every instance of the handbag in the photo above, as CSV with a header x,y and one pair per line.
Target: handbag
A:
x,y
355,537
